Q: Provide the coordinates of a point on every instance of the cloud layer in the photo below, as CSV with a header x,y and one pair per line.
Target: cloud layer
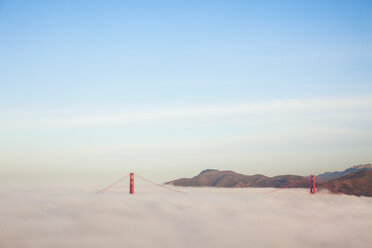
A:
x,y
72,217
127,116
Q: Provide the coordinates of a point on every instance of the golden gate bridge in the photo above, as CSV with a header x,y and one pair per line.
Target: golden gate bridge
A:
x,y
127,184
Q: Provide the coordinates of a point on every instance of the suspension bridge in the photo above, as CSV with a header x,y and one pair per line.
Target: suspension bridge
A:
x,y
141,185
128,184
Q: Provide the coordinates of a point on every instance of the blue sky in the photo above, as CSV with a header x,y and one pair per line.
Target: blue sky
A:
x,y
168,88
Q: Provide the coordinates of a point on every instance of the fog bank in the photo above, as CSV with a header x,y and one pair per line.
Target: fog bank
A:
x,y
75,217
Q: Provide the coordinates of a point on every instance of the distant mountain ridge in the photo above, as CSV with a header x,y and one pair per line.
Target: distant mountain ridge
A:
x,y
337,174
356,180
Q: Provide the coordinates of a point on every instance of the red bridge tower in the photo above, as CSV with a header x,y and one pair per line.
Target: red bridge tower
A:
x,y
312,184
131,183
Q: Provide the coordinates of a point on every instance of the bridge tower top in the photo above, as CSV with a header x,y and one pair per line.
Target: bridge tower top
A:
x,y
312,184
131,183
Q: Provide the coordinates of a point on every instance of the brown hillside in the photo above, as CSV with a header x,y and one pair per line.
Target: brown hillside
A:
x,y
356,183
230,179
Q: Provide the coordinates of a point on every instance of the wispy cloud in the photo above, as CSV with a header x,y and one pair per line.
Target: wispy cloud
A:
x,y
153,114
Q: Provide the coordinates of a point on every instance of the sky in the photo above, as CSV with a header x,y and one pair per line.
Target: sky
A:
x,y
90,90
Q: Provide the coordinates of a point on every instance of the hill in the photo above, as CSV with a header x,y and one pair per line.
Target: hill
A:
x,y
337,174
230,179
356,180
355,183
